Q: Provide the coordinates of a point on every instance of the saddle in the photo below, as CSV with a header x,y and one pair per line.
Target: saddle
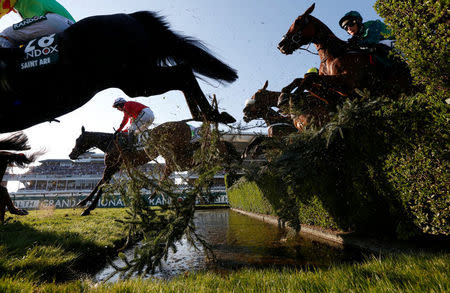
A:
x,y
379,53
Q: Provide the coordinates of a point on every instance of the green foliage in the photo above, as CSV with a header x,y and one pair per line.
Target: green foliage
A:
x,y
160,231
379,166
421,28
249,197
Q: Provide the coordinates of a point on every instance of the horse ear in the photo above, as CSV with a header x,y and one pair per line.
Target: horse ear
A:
x,y
266,85
82,129
310,9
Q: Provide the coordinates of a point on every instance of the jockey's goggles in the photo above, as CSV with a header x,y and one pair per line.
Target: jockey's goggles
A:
x,y
349,23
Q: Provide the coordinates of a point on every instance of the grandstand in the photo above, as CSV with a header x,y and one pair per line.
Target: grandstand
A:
x,y
55,179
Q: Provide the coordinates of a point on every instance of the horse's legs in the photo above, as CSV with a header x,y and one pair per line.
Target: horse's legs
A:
x,y
107,174
91,195
5,201
93,204
287,90
179,77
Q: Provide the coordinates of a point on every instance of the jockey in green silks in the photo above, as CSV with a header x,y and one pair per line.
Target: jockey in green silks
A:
x,y
363,34
40,18
373,34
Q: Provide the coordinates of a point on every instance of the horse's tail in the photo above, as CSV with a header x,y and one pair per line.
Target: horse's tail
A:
x,y
178,49
15,142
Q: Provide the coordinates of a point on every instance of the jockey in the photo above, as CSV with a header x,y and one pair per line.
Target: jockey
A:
x,y
363,34
371,34
140,115
40,18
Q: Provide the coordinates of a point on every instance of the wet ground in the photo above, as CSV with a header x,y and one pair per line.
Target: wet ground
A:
x,y
240,241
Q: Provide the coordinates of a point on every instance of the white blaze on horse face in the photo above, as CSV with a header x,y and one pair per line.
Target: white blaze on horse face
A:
x,y
249,102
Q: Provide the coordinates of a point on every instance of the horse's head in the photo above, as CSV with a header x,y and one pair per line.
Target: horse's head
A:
x,y
82,145
300,33
257,105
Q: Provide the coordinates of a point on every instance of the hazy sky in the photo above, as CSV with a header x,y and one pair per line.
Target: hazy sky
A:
x,y
242,33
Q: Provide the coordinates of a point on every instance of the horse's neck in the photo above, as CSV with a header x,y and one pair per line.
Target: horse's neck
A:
x,y
271,98
327,44
100,140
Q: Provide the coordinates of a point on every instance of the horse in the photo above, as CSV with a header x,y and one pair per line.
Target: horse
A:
x,y
171,140
341,70
137,53
260,105
15,142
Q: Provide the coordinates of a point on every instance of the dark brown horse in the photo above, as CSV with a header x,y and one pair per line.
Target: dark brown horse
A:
x,y
171,140
311,110
136,52
340,70
8,157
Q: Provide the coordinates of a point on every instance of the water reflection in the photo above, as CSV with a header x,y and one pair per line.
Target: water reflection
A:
x,y
239,241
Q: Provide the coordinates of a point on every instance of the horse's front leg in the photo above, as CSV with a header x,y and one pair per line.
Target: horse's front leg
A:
x,y
84,202
93,204
287,90
108,173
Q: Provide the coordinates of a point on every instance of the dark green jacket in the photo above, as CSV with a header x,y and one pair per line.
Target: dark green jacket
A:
x,y
371,33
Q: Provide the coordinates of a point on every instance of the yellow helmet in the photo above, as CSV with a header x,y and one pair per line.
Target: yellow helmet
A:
x,y
6,6
313,70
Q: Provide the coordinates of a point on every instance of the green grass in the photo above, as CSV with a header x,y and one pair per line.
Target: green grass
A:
x,y
421,272
40,250
58,245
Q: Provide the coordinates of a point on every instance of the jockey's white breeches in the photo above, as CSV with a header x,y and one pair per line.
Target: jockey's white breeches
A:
x,y
142,121
31,28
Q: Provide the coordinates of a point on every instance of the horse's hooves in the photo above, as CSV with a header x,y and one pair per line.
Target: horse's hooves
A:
x,y
86,213
19,212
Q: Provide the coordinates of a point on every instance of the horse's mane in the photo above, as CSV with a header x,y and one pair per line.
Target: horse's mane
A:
x,y
101,134
161,29
328,39
179,49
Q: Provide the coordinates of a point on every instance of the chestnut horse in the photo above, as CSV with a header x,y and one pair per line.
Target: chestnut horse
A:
x,y
15,142
171,140
340,70
260,105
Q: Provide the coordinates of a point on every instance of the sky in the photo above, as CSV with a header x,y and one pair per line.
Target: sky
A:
x,y
243,34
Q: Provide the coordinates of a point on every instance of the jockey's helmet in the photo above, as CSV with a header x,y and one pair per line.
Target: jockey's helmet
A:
x,y
119,102
312,70
349,18
6,6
